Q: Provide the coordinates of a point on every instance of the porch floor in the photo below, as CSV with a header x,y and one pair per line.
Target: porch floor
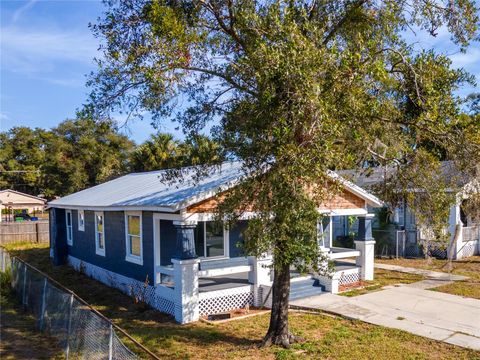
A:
x,y
223,282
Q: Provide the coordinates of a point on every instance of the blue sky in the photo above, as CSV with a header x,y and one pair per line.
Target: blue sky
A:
x,y
47,50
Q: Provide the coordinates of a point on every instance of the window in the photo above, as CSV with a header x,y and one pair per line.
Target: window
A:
x,y
99,233
68,222
133,234
81,220
210,239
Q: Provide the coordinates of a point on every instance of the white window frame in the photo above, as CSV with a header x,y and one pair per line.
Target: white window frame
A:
x,y
128,256
67,227
226,243
98,250
81,220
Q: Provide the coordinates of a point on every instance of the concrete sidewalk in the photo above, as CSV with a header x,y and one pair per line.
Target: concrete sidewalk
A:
x,y
449,318
436,275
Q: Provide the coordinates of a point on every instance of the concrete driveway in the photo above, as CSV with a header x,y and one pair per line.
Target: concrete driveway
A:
x,y
449,318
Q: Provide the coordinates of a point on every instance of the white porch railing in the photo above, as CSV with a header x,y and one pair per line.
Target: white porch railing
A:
x,y
335,253
162,273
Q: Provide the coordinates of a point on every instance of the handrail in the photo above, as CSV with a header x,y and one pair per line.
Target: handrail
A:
x,y
164,270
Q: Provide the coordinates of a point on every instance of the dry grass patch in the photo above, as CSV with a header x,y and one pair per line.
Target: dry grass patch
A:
x,y
327,337
383,278
468,267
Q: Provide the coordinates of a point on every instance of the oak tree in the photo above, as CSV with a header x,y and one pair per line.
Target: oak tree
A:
x,y
294,88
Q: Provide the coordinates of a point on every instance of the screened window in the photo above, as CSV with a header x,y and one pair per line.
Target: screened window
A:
x,y
81,220
133,231
99,233
68,221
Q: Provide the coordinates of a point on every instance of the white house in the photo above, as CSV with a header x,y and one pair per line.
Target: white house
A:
x,y
15,200
467,241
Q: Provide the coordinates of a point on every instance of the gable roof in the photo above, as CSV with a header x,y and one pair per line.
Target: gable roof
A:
x,y
146,191
23,194
367,178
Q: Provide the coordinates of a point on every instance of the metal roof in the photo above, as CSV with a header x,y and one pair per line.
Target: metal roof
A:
x,y
369,177
147,191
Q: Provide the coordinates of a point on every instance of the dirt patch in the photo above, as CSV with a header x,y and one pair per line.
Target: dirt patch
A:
x,y
19,337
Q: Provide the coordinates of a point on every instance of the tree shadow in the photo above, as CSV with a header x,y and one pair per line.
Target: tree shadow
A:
x,y
151,327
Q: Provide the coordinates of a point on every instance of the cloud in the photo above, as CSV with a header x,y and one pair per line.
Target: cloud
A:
x,y
28,50
16,15
470,58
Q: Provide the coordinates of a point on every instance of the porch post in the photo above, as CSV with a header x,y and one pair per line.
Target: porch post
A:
x,y
453,221
259,275
185,247
366,245
185,272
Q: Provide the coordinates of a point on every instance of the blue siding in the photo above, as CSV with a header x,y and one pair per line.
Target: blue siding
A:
x,y
58,236
114,260
168,239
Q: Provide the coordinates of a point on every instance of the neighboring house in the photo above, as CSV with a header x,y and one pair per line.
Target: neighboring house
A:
x,y
136,230
13,201
468,241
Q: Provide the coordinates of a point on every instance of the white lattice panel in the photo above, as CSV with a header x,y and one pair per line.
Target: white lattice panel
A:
x,y
124,284
469,248
349,278
214,302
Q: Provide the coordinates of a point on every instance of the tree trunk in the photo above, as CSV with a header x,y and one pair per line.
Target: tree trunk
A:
x,y
278,332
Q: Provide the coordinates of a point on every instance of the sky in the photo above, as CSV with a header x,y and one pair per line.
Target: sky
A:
x,y
47,49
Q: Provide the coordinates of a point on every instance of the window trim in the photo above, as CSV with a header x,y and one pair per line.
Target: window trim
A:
x,y
81,227
69,238
128,256
98,250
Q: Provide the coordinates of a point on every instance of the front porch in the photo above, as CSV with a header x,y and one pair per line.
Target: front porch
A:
x,y
203,286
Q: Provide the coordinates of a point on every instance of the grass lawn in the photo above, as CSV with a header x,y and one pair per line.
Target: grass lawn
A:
x,y
326,337
468,267
19,336
383,278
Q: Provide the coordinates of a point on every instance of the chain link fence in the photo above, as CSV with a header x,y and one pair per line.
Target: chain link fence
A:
x,y
81,331
397,243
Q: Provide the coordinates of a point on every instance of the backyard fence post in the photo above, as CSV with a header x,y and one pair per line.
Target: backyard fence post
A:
x,y
69,327
110,344
24,299
36,232
396,254
44,297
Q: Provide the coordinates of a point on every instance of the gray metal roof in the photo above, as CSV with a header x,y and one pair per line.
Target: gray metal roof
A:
x,y
146,190
367,178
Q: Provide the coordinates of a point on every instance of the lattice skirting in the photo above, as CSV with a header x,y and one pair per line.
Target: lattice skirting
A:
x,y
470,248
126,285
347,278
214,302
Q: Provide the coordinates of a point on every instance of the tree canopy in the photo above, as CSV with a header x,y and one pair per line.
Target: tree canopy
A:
x,y
294,88
82,153
74,155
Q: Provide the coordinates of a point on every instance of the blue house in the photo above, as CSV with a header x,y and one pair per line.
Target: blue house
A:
x,y
157,241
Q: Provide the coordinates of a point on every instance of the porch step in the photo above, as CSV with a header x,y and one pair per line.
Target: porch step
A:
x,y
305,288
